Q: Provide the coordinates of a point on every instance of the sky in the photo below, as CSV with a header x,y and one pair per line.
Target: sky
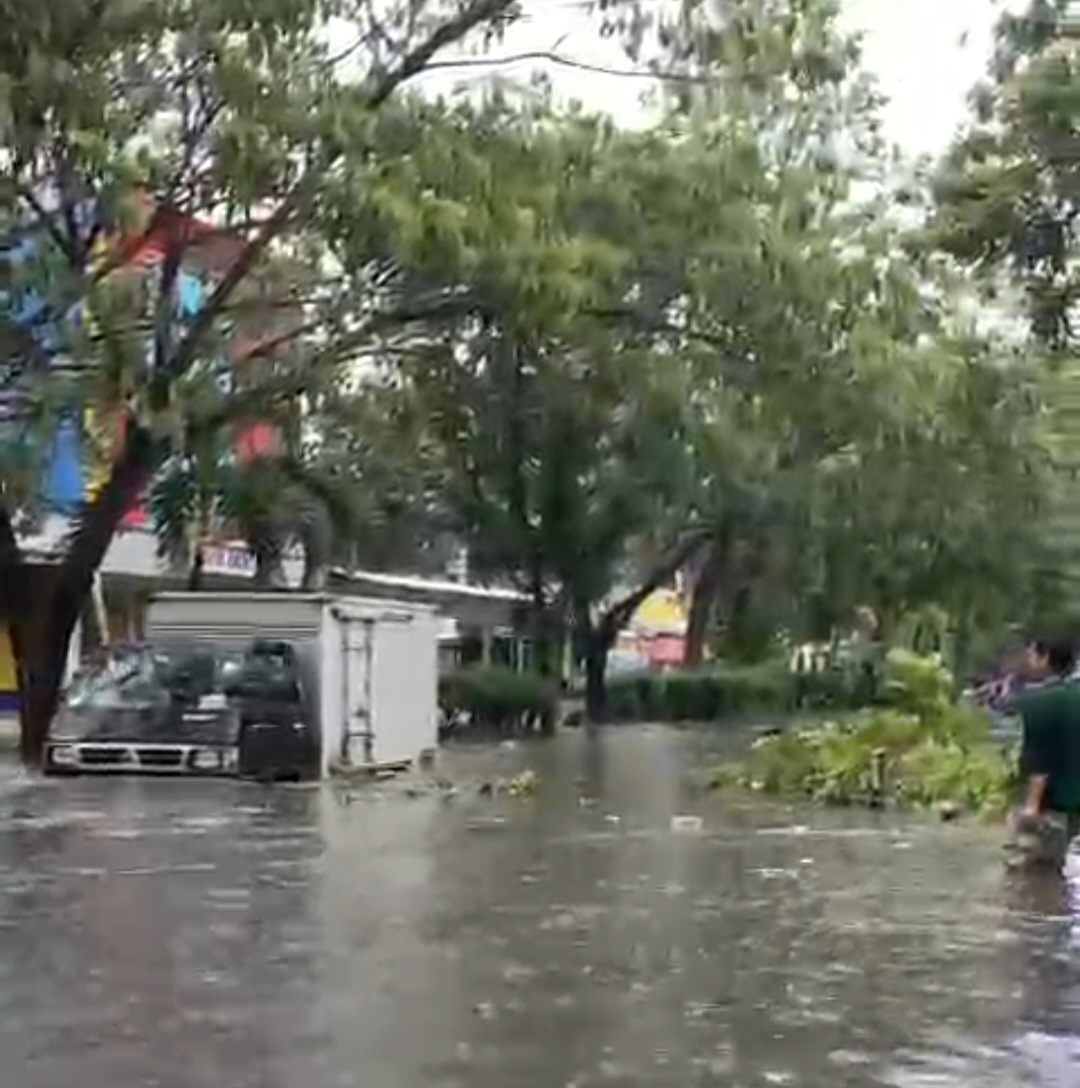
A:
x,y
926,54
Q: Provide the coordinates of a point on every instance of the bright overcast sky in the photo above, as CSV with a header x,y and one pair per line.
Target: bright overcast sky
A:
x,y
926,54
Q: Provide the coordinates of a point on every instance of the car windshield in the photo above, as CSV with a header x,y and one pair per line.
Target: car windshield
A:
x,y
205,676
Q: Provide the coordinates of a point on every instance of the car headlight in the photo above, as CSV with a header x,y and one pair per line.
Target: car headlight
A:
x,y
206,761
63,755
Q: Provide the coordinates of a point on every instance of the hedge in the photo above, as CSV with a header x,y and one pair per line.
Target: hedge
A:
x,y
699,695
496,700
499,700
726,690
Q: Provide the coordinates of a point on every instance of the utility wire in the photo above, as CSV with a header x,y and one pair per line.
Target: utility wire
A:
x,y
567,62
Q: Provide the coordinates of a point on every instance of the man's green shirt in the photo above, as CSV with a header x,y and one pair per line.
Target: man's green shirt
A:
x,y
1051,745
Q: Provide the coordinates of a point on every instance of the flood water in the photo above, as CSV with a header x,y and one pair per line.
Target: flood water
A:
x,y
222,935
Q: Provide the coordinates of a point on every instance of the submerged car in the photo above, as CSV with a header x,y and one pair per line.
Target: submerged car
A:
x,y
194,708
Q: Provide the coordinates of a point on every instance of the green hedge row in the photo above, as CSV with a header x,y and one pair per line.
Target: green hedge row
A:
x,y
498,700
502,701
720,691
702,695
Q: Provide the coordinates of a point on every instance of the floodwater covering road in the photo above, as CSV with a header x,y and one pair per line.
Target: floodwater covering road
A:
x,y
221,935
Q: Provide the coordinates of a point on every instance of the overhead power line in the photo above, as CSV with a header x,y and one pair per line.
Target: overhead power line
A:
x,y
559,59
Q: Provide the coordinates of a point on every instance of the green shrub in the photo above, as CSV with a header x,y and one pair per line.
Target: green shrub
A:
x,y
633,698
922,750
688,696
980,779
763,687
701,695
497,699
725,689
918,685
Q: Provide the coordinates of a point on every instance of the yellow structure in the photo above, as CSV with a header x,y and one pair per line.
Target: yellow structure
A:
x,y
9,684
662,611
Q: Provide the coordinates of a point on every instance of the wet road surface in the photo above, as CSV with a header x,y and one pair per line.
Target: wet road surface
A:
x,y
202,935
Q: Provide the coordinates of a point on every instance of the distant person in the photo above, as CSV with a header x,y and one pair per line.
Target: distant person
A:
x,y
868,654
1049,707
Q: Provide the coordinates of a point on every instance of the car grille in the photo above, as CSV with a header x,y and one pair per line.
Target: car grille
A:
x,y
102,757
159,757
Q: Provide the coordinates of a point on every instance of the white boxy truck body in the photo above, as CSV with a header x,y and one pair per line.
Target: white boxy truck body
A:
x,y
371,664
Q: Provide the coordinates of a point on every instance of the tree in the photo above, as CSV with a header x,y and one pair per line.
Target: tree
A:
x,y
557,431
591,331
943,506
1005,205
863,369
374,446
1007,195
784,83
120,127
570,396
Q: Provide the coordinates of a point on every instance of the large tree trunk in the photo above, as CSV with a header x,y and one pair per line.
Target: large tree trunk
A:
x,y
195,571
266,548
41,649
597,647
703,606
548,647
545,626
316,534
44,636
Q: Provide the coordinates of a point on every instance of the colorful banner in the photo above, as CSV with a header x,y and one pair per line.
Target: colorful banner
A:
x,y
103,429
81,450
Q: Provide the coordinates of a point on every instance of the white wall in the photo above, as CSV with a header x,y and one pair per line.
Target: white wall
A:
x,y
133,553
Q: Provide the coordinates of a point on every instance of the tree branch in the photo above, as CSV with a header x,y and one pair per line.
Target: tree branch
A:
x,y
253,403
305,186
164,314
66,245
420,58
87,544
620,613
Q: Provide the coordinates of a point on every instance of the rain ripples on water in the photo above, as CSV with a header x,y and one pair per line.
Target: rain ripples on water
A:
x,y
613,929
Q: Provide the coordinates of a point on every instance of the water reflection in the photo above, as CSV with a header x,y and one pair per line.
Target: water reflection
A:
x,y
1046,917
192,935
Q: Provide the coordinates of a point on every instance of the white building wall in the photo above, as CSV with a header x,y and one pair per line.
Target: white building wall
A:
x,y
134,553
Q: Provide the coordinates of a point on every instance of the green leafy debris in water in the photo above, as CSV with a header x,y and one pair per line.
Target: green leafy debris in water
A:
x,y
524,784
922,750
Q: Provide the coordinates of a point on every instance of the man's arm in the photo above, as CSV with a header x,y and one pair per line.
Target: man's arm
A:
x,y
1036,795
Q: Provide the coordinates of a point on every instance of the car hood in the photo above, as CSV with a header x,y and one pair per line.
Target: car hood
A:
x,y
147,725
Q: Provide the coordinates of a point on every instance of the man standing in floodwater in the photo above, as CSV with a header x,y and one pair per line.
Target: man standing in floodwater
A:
x,y
1049,818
